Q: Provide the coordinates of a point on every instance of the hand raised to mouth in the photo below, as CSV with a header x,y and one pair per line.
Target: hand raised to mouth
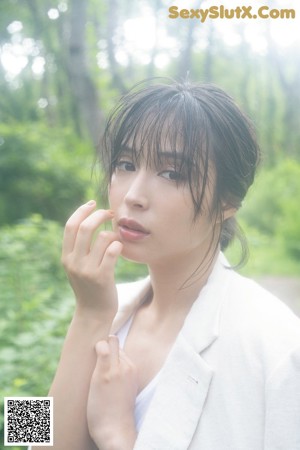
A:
x,y
90,264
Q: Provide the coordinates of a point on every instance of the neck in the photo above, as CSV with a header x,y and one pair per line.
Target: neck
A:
x,y
176,286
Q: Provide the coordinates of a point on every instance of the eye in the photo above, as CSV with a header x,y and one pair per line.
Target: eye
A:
x,y
172,175
125,166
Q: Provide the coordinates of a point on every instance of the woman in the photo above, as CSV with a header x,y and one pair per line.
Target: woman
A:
x,y
195,356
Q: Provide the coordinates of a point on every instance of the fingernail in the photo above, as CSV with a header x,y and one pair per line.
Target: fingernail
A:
x,y
91,203
111,213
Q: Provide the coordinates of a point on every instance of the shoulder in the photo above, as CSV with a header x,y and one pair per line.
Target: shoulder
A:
x,y
247,303
246,296
258,322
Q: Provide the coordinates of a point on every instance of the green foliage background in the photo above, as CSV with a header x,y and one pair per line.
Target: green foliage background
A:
x,y
41,170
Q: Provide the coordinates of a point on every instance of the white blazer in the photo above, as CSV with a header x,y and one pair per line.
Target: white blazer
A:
x,y
232,378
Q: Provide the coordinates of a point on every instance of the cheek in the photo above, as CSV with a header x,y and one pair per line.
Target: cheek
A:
x,y
177,213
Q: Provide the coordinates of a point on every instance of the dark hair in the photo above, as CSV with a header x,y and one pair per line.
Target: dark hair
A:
x,y
202,124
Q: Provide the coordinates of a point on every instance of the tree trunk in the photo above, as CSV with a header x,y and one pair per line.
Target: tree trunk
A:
x,y
151,66
208,59
81,83
185,63
111,27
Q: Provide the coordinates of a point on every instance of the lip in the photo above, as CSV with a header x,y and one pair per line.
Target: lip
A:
x,y
130,230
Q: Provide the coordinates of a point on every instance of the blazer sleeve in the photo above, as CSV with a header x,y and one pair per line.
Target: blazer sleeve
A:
x,y
282,420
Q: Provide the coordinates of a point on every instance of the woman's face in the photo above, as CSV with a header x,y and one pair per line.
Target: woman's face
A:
x,y
154,213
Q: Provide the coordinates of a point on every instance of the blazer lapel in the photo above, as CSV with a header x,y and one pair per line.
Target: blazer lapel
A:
x,y
177,404
185,378
131,296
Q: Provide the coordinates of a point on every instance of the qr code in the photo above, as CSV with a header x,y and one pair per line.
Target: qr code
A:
x,y
28,421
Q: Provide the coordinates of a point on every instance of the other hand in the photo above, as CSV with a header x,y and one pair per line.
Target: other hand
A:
x,y
111,400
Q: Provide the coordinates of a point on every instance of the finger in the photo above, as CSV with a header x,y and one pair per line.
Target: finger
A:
x,y
86,230
73,223
113,343
109,260
103,357
103,240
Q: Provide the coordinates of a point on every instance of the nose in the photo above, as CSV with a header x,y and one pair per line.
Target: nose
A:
x,y
137,195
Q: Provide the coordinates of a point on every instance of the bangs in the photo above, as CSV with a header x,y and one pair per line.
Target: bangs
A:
x,y
156,124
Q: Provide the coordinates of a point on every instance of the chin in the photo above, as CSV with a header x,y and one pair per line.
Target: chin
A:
x,y
133,256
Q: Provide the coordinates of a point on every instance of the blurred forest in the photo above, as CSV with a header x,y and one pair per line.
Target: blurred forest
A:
x,y
63,64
